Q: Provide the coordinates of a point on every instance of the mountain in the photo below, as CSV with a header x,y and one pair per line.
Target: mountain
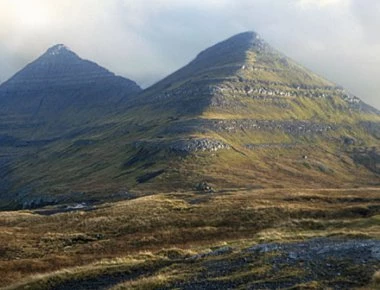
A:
x,y
56,97
240,115
258,119
58,85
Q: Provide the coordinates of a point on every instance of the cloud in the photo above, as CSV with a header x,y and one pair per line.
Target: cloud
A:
x,y
148,39
321,3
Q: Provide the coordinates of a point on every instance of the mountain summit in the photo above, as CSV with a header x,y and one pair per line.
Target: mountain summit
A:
x,y
229,54
59,49
240,115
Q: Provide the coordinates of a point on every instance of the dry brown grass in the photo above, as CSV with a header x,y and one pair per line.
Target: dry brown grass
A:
x,y
32,244
375,284
376,278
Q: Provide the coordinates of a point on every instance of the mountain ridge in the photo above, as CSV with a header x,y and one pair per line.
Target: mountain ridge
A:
x,y
240,114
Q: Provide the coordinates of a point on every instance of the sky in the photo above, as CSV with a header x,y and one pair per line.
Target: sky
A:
x,y
145,40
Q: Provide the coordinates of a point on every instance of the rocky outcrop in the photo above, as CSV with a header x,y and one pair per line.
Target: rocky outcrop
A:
x,y
289,127
195,145
318,263
349,141
295,127
184,146
204,187
271,145
260,89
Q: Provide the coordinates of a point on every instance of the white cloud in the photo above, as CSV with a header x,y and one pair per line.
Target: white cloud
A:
x,y
322,3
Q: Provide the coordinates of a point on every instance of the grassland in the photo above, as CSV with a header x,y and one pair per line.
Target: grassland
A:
x,y
150,242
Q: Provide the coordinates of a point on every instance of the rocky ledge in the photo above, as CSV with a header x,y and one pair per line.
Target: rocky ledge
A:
x,y
295,127
184,146
194,145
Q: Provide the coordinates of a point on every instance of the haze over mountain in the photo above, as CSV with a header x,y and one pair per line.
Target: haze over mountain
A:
x,y
240,115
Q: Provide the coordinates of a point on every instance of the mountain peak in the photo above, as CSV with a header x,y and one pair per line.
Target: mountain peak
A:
x,y
248,36
58,49
220,61
235,46
59,53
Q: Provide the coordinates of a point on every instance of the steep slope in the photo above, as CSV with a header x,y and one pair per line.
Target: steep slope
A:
x,y
241,115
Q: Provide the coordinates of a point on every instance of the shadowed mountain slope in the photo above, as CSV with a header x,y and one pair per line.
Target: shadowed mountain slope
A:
x,y
241,115
56,97
60,86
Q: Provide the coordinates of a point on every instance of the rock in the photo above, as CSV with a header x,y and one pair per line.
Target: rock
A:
x,y
180,146
264,248
217,252
195,145
376,252
291,127
221,251
204,187
349,141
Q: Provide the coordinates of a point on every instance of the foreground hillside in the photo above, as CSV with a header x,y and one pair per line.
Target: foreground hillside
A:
x,y
260,239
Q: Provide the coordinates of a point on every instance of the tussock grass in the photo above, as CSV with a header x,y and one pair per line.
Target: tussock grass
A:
x,y
376,278
144,283
176,226
109,266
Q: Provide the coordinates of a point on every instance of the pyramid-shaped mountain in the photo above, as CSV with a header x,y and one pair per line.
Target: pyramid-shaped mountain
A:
x,y
49,102
257,118
243,65
240,115
61,84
